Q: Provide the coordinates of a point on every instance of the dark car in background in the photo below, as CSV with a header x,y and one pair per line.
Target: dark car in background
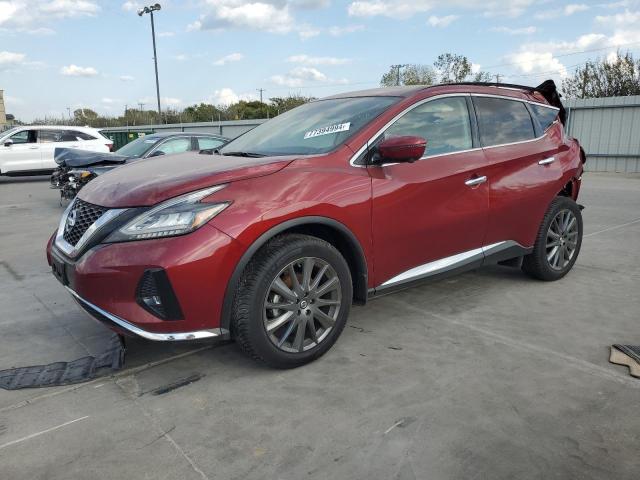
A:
x,y
78,167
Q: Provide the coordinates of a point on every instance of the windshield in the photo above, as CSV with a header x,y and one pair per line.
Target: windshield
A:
x,y
316,127
138,147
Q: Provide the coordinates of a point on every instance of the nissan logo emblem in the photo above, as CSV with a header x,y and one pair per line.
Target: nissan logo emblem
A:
x,y
71,219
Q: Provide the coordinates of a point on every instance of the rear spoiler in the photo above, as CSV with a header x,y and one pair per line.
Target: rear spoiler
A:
x,y
549,91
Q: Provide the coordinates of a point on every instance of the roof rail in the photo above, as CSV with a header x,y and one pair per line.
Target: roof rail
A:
x,y
492,84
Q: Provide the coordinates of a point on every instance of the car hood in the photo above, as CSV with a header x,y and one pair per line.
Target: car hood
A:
x,y
73,157
153,180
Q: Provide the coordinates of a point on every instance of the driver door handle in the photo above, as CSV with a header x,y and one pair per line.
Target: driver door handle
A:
x,y
472,182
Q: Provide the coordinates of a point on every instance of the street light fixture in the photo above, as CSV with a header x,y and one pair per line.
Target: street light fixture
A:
x,y
150,9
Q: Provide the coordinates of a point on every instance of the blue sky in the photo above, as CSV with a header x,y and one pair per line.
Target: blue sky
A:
x,y
56,54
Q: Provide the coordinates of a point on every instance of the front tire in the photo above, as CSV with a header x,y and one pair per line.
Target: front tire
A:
x,y
292,301
558,242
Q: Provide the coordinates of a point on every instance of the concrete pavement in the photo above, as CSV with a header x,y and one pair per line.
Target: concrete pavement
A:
x,y
487,375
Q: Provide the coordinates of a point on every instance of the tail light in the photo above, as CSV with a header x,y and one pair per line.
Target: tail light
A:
x,y
110,146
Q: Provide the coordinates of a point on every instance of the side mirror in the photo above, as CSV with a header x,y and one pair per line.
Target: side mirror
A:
x,y
401,149
157,153
8,143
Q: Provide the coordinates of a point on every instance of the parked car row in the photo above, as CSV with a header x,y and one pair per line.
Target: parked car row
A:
x,y
78,167
271,240
31,150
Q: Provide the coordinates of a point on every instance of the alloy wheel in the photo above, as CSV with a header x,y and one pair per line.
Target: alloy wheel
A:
x,y
302,304
562,239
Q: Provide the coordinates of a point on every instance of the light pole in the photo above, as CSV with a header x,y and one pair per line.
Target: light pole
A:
x,y
397,68
150,9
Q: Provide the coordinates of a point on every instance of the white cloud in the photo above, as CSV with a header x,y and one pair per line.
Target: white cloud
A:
x,y
307,31
445,21
234,14
127,78
33,16
337,31
619,19
567,11
226,96
181,57
515,31
575,8
11,59
150,103
166,34
131,6
315,61
232,57
76,71
407,8
273,16
475,67
537,62
299,76
170,102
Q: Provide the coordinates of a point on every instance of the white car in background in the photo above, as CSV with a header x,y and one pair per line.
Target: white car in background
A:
x,y
30,150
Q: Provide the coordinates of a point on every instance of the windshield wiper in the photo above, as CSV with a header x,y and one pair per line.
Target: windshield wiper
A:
x,y
243,154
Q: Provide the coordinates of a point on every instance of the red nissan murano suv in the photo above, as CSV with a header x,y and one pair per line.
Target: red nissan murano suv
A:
x,y
270,240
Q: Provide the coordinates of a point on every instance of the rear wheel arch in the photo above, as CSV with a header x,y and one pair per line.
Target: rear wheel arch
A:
x,y
325,228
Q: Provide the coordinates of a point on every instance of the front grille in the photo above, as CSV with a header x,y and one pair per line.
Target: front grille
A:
x,y
85,215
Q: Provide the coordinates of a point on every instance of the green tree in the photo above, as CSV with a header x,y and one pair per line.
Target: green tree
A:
x,y
604,78
282,104
452,67
203,112
85,116
447,68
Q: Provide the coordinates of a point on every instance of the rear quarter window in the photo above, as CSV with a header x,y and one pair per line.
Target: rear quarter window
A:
x,y
544,115
503,121
83,135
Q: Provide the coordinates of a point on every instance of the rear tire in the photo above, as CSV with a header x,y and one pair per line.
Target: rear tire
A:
x,y
558,241
292,301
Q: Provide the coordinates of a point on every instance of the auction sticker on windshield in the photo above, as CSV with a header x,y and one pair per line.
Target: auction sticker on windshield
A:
x,y
341,127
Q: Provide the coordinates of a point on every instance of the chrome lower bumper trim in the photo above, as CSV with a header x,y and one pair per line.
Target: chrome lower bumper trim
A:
x,y
158,337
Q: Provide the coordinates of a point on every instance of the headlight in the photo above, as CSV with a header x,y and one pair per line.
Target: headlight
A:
x,y
177,216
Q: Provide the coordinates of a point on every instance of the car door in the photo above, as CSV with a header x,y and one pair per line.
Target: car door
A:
x,y
521,168
49,140
20,152
430,216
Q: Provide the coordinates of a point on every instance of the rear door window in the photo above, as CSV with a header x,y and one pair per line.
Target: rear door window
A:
x,y
82,135
176,145
57,136
443,123
544,115
206,143
503,121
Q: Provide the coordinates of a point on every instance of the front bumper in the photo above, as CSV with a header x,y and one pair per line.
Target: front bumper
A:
x,y
123,326
105,279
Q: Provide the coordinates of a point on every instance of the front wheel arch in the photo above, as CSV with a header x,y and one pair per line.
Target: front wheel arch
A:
x,y
328,229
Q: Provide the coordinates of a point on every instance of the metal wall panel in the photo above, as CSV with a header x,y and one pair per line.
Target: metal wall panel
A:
x,y
230,129
609,131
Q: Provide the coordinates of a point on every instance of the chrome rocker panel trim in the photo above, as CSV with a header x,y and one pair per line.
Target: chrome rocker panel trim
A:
x,y
158,337
449,263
